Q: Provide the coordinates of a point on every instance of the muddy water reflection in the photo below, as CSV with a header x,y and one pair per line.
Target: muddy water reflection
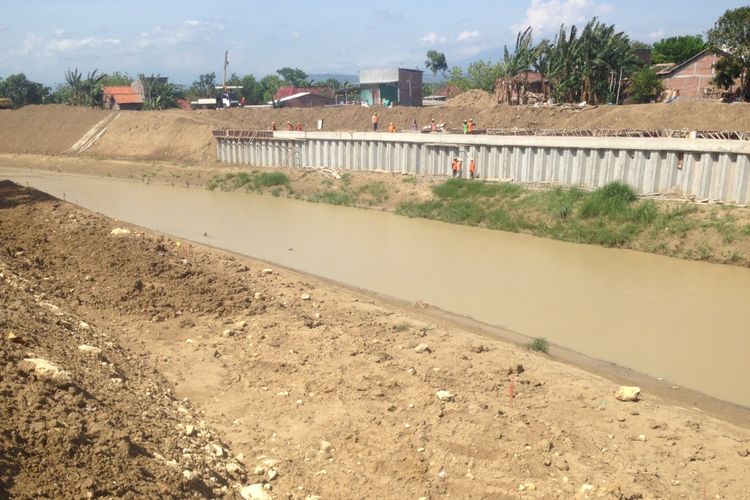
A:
x,y
685,321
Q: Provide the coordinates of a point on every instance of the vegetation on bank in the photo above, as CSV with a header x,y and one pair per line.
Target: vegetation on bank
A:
x,y
612,216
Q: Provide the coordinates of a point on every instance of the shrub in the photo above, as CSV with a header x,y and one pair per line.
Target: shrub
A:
x,y
539,344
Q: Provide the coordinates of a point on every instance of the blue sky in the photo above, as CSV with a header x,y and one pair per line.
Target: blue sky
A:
x,y
184,39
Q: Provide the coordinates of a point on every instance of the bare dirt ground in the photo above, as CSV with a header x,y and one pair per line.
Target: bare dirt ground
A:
x,y
315,390
214,375
181,136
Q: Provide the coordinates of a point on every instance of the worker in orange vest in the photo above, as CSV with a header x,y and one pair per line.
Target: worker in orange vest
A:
x,y
391,128
471,126
472,168
375,120
454,166
289,126
273,125
298,128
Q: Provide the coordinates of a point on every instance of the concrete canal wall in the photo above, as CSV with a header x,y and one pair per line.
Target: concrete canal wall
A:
x,y
702,168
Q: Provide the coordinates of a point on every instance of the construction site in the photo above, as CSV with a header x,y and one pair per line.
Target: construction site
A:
x,y
161,340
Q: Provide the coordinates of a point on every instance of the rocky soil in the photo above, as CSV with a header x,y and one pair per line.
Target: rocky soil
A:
x,y
173,370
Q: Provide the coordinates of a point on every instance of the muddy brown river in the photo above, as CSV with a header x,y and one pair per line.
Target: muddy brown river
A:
x,y
687,322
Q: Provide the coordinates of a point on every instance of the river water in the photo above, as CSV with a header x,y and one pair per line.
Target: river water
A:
x,y
688,322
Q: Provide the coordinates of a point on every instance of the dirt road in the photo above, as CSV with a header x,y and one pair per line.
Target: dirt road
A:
x,y
315,390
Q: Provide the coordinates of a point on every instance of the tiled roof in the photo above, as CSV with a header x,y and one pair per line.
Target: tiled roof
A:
x,y
123,95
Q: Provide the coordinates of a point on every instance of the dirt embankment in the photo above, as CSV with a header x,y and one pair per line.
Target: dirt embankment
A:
x,y
316,390
184,137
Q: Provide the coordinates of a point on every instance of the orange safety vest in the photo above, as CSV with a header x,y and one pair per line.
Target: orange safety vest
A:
x,y
472,166
454,165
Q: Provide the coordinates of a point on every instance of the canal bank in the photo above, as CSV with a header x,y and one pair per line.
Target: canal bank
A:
x,y
672,319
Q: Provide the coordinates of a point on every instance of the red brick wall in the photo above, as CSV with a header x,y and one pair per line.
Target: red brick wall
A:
x,y
693,78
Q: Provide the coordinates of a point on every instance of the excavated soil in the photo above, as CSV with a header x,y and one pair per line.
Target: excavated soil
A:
x,y
185,136
314,390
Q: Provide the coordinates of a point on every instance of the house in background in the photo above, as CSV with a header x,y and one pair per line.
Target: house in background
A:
x,y
125,97
289,90
693,77
306,100
399,86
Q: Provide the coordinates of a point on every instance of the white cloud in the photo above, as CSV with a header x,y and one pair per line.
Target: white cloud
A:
x,y
546,16
31,43
467,36
658,34
295,34
188,32
72,44
471,50
433,38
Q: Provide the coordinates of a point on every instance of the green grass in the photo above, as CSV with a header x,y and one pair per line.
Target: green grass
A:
x,y
539,344
611,216
332,198
248,180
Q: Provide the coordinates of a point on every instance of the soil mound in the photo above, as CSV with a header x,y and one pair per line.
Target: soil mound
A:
x,y
474,98
184,137
80,416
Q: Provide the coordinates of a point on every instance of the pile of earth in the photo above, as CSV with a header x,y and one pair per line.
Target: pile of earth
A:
x,y
82,416
184,137
318,391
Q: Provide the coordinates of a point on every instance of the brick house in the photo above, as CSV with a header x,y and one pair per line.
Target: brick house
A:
x,y
394,86
693,77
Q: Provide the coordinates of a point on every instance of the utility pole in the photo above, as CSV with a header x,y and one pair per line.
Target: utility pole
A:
x,y
226,62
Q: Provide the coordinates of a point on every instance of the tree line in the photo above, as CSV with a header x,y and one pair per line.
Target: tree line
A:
x,y
585,65
589,64
88,90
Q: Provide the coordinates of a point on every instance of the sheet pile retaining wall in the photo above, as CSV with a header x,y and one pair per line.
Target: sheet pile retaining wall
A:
x,y
701,168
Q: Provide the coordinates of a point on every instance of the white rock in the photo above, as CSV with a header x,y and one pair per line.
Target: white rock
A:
x,y
445,396
89,349
305,296
587,488
189,430
627,393
255,492
257,295
282,393
325,446
267,270
259,470
83,325
232,468
273,474
46,370
119,231
218,450
422,348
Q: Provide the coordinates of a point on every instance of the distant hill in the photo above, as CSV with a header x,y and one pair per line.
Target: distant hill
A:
x,y
342,78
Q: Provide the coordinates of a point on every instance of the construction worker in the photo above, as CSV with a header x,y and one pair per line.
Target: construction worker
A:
x,y
472,168
454,167
391,128
460,168
298,127
375,120
273,126
466,127
433,126
471,125
289,126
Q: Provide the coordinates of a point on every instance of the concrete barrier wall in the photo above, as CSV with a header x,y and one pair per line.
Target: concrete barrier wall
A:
x,y
703,168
